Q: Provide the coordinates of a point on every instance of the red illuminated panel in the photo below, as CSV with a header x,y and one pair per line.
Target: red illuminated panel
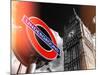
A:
x,y
20,42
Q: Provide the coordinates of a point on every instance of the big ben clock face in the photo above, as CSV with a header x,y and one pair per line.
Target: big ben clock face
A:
x,y
73,29
71,33
47,37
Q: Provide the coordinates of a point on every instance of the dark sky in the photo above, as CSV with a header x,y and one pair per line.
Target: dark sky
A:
x,y
57,15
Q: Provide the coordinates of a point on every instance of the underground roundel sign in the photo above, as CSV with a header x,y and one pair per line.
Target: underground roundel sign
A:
x,y
33,31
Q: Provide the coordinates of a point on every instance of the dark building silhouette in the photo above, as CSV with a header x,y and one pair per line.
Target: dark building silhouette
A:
x,y
78,46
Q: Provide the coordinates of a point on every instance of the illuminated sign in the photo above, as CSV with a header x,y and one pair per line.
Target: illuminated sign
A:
x,y
40,34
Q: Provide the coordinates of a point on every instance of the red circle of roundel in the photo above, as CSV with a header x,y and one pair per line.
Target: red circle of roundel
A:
x,y
49,55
